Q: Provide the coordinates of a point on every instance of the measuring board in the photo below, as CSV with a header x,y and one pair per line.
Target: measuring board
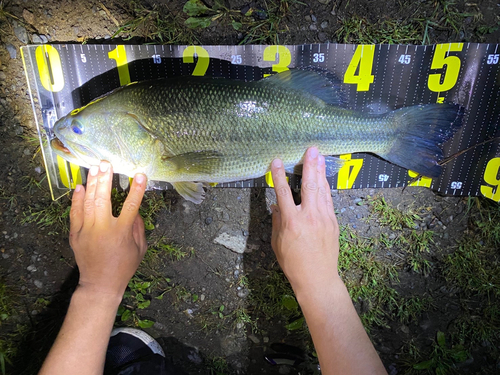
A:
x,y
376,79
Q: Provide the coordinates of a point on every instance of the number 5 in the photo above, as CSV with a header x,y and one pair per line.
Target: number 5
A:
x,y
450,76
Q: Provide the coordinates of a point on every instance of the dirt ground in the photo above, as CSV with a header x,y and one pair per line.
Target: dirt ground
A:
x,y
204,302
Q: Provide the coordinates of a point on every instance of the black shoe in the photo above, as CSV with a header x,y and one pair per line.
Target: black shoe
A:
x,y
132,351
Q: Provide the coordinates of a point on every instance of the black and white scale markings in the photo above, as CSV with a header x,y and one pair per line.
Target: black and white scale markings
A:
x,y
377,78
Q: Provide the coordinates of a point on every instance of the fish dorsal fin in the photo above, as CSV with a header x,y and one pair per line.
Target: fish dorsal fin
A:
x,y
317,82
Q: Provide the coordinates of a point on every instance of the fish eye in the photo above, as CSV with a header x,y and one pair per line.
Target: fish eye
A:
x,y
77,127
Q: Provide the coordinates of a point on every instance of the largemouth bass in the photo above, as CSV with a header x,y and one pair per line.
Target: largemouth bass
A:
x,y
194,130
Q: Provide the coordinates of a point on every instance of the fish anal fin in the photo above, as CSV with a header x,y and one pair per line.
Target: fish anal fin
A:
x,y
191,191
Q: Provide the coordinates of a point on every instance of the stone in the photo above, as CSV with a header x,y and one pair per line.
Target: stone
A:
x,y
202,297
313,27
28,16
21,34
313,18
12,50
324,2
324,24
236,243
35,38
3,76
45,39
308,18
38,284
243,293
254,339
208,220
405,329
265,339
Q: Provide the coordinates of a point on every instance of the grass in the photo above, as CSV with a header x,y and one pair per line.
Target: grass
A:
x,y
391,216
154,25
54,217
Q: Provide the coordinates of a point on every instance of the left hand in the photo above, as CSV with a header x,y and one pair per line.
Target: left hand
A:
x,y
108,250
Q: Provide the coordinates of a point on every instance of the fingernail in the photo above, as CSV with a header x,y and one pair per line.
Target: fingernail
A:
x,y
277,163
313,153
139,178
94,169
104,166
78,188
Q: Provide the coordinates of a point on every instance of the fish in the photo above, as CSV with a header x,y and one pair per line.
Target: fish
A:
x,y
192,131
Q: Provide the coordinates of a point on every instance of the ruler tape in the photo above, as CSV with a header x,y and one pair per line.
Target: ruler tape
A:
x,y
378,78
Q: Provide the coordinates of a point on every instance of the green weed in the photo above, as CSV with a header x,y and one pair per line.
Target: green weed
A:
x,y
409,309
242,316
359,30
443,358
392,217
217,366
154,24
54,217
160,247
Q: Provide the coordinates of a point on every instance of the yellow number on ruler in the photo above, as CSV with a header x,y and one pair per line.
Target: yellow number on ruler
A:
x,y
348,172
362,63
52,78
269,179
280,54
119,54
203,59
452,63
422,181
491,177
75,173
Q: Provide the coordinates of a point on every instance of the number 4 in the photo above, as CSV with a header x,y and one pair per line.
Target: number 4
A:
x,y
359,71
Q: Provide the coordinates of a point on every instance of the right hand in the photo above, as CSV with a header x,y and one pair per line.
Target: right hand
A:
x,y
305,238
107,249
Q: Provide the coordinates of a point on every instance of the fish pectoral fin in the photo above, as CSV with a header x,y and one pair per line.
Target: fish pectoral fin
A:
x,y
332,164
191,191
201,162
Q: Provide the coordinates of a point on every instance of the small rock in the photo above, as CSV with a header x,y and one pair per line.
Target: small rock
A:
x,y
35,38
3,76
265,339
5,256
352,208
322,37
21,34
28,16
313,18
308,18
240,325
342,210
446,236
31,268
34,312
405,329
324,2
357,200
324,24
12,50
38,170
194,357
392,236
202,297
245,233
208,220
333,12
254,339
38,284
232,242
243,293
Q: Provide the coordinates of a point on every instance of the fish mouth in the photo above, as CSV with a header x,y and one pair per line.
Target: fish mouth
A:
x,y
58,145
74,153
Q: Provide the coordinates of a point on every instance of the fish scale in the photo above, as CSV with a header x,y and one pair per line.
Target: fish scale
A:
x,y
187,130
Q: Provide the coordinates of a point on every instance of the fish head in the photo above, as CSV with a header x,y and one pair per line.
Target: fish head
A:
x,y
95,133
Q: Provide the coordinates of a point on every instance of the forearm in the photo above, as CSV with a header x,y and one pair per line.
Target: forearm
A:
x,y
80,347
340,340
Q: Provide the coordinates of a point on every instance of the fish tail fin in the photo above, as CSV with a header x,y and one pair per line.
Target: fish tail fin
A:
x,y
420,131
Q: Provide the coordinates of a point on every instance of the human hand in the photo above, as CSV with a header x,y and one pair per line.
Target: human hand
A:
x,y
108,250
305,238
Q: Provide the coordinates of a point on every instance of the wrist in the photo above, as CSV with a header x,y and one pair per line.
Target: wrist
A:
x,y
321,294
86,293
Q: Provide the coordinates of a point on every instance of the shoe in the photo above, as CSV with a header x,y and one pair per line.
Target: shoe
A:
x,y
130,347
